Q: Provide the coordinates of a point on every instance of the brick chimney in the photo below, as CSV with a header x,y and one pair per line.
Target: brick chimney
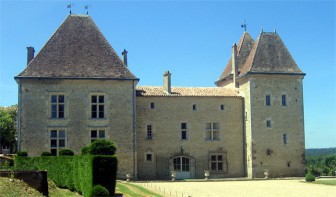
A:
x,y
167,82
124,54
234,69
30,54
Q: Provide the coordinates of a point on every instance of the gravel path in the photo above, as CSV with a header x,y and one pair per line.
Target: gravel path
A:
x,y
259,188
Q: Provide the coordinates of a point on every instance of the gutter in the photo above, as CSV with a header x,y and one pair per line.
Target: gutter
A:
x,y
270,73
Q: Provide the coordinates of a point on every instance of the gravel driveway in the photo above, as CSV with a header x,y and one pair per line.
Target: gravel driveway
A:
x,y
295,188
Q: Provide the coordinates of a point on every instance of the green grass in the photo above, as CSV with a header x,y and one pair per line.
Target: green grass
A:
x,y
144,190
121,188
130,190
325,182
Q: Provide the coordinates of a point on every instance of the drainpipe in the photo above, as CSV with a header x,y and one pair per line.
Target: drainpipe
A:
x,y
134,133
19,116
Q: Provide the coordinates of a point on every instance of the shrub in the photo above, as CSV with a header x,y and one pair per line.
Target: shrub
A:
x,y
67,152
22,153
99,190
85,150
46,154
310,177
100,147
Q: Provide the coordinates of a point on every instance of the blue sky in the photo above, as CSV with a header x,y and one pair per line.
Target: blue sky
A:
x,y
192,39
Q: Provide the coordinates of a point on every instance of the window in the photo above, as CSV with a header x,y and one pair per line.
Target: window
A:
x,y
149,157
283,100
183,131
288,164
152,105
57,140
222,107
268,100
97,106
194,107
218,162
181,164
149,132
268,123
57,106
97,134
284,138
212,131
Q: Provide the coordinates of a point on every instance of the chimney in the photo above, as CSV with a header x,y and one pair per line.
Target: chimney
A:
x,y
124,54
167,82
234,69
30,54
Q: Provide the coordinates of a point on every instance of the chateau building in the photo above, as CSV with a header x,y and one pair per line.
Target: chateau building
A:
x,y
77,90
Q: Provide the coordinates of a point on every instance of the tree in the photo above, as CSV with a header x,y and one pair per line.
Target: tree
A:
x,y
8,134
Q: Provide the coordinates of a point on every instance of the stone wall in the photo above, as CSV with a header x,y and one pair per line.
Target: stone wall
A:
x,y
166,119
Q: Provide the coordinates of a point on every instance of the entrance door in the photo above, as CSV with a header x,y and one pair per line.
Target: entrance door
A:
x,y
182,167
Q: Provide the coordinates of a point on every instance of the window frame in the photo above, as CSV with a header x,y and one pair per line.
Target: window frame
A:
x,y
284,101
98,131
217,165
212,133
57,105
152,105
194,107
268,100
57,138
184,131
284,139
268,123
149,132
97,105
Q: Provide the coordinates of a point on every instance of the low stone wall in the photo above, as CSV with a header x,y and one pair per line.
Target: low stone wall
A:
x,y
35,179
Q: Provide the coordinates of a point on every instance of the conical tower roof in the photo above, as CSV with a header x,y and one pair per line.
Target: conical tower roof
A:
x,y
269,55
244,47
77,50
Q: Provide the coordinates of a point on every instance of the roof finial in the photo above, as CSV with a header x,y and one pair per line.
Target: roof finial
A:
x,y
87,9
244,25
262,30
69,6
274,30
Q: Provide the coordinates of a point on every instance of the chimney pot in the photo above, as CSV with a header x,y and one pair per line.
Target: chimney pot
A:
x,y
167,82
30,54
124,54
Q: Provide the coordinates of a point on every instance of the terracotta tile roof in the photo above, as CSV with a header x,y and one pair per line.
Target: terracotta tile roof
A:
x,y
77,50
187,91
270,55
244,47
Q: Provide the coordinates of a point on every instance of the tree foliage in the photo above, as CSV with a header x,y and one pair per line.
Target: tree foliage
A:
x,y
8,117
323,165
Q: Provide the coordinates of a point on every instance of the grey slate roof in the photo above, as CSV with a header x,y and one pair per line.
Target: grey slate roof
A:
x,y
244,47
270,55
77,50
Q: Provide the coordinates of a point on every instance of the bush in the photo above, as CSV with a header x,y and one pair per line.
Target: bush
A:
x,y
310,177
100,147
99,190
67,152
22,153
46,154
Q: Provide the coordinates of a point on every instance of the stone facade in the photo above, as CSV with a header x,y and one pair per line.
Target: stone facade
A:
x,y
251,124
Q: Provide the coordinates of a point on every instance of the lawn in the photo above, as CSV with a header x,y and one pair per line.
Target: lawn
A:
x,y
325,182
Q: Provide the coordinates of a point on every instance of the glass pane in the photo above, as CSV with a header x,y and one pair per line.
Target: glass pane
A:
x,y
94,99
184,135
53,143
208,135
220,166
53,133
101,108
101,134
208,126
213,166
94,114
101,99
61,143
101,114
60,98
53,152
183,125
53,99
94,133
215,125
61,134
219,158
149,157
53,114
213,158
54,111
215,135
60,114
61,111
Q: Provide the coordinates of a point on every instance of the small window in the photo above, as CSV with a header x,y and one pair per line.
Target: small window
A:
x,y
284,138
149,132
283,100
222,107
97,106
268,100
57,141
212,131
97,134
183,131
149,157
288,164
268,123
194,107
152,105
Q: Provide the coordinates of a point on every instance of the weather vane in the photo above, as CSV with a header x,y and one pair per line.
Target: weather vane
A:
x,y
69,6
87,9
244,25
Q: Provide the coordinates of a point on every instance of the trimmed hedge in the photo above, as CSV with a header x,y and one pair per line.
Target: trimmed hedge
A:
x,y
310,177
43,154
22,153
99,147
99,190
67,152
77,173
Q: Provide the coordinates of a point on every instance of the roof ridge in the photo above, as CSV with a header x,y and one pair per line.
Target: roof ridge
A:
x,y
256,51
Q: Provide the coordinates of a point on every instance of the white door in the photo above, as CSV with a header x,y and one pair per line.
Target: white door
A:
x,y
182,167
